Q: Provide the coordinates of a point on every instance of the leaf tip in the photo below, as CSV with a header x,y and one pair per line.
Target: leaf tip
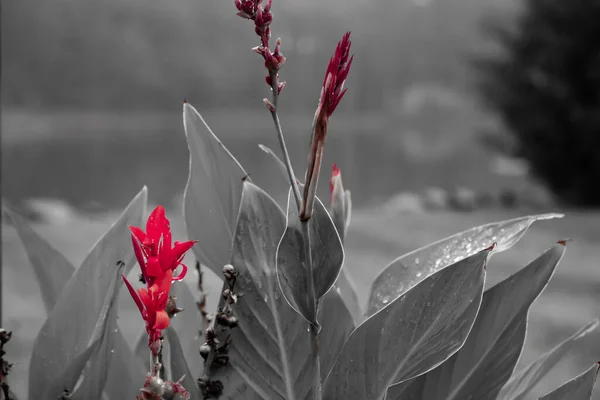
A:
x,y
564,241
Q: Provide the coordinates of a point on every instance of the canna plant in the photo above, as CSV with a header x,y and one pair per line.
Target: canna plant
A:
x,y
288,324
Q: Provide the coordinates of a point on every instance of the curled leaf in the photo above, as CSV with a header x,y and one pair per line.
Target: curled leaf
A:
x,y
487,359
293,271
410,336
405,271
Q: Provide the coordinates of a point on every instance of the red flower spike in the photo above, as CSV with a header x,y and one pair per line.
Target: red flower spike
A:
x,y
158,258
331,95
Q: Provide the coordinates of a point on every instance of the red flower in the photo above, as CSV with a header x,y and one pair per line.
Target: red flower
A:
x,y
331,95
158,259
153,248
152,303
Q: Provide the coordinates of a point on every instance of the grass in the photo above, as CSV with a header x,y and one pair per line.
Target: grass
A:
x,y
570,300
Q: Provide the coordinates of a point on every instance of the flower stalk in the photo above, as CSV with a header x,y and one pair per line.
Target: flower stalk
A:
x,y
217,337
331,94
158,259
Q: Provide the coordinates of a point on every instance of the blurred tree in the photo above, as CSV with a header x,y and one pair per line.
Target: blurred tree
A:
x,y
545,84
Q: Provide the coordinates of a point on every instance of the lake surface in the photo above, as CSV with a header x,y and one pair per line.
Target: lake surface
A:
x,y
107,169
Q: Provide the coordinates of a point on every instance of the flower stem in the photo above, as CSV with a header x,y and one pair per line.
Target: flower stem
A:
x,y
314,328
286,155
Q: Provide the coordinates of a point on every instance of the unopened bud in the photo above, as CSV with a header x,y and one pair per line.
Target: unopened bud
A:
x,y
226,293
204,351
269,105
229,272
222,359
4,336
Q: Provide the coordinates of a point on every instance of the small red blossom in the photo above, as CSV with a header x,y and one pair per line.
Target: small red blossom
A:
x,y
331,95
335,76
153,249
152,303
158,259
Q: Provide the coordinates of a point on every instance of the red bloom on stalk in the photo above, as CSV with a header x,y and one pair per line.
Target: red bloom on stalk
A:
x,y
152,303
335,77
154,251
331,95
158,258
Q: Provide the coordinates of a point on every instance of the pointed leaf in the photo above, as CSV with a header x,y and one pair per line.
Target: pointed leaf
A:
x,y
68,377
52,271
281,184
179,366
126,374
521,382
337,325
411,335
188,325
487,359
578,388
96,372
212,194
71,325
405,271
271,346
51,268
327,259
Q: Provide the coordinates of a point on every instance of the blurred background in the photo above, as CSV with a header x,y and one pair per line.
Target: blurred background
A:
x,y
458,113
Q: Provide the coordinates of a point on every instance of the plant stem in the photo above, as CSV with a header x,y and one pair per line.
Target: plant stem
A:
x,y
314,328
286,155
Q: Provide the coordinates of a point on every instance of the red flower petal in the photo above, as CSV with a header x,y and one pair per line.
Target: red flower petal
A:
x,y
180,249
182,274
139,255
162,320
146,299
153,267
157,224
139,234
134,295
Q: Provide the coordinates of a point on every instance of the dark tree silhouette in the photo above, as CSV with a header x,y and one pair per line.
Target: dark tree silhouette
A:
x,y
545,84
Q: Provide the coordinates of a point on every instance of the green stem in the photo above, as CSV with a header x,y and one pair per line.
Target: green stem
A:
x,y
314,328
286,155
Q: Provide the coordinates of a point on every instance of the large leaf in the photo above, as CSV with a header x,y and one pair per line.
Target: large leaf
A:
x,y
212,194
337,325
51,268
405,271
293,270
96,372
126,373
188,325
179,366
488,357
271,346
578,388
521,382
73,321
412,335
52,271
